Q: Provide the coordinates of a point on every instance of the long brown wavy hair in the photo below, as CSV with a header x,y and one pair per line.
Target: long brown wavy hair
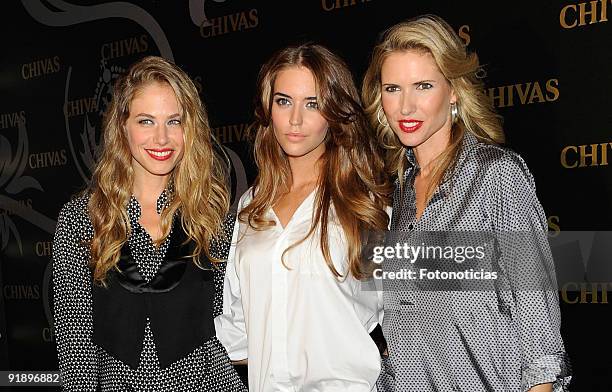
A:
x,y
352,177
198,182
431,34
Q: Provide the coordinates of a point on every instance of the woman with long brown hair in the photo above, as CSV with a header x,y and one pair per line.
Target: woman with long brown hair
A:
x,y
137,268
293,278
490,322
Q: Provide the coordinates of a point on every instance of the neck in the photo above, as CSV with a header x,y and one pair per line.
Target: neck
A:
x,y
426,153
305,170
147,192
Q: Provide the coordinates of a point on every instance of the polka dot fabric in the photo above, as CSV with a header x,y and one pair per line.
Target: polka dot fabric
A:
x,y
476,341
86,367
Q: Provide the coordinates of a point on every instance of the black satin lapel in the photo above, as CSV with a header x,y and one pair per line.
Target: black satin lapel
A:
x,y
168,276
173,267
170,271
129,276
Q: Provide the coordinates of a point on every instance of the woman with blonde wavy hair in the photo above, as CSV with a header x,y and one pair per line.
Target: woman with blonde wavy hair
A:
x,y
293,278
137,268
490,322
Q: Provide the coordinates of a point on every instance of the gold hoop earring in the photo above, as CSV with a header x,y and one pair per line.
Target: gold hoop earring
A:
x,y
454,110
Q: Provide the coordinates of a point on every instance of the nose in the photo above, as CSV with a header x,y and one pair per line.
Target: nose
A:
x,y
161,135
296,115
407,104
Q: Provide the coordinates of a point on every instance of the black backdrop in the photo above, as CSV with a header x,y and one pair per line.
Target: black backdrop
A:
x,y
547,69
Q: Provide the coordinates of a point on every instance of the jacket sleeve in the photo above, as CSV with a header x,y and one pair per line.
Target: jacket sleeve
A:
x,y
521,234
73,316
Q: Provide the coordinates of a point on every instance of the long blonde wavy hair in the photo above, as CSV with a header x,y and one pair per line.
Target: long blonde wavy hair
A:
x,y
198,182
352,177
431,34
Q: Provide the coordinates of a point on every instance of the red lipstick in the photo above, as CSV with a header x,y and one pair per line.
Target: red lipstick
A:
x,y
160,154
410,125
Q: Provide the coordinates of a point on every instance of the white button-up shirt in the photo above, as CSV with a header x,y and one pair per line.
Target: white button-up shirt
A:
x,y
307,330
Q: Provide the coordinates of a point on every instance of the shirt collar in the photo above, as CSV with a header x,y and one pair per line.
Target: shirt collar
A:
x,y
468,142
163,201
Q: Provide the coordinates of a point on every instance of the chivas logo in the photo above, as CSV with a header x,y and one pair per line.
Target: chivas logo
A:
x,y
524,93
83,132
231,133
40,67
21,291
47,159
585,293
43,248
10,120
22,203
211,27
583,13
124,47
585,155
330,5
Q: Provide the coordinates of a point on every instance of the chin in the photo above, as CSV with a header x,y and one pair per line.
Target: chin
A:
x,y
160,173
294,154
292,151
298,153
408,141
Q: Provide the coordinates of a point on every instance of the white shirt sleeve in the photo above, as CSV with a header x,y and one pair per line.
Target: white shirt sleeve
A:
x,y
230,325
368,295
367,303
378,282
381,301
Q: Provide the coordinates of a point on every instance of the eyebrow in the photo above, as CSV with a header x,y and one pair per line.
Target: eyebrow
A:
x,y
151,116
420,81
290,97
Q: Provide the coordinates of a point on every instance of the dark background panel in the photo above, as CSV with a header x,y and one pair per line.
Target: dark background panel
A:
x,y
547,73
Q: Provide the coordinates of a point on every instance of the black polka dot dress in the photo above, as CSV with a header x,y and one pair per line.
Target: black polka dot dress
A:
x,y
465,334
87,367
